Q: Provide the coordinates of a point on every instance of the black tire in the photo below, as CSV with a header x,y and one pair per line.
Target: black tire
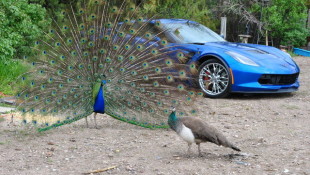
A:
x,y
214,79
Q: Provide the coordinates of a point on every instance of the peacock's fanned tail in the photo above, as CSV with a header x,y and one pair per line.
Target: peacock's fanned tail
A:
x,y
101,41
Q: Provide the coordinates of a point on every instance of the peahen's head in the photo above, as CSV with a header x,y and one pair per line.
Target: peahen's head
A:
x,y
172,109
172,115
172,119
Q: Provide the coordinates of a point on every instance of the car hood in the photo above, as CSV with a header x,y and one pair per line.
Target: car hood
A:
x,y
263,55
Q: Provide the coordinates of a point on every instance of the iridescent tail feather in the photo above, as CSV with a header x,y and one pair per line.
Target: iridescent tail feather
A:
x,y
144,74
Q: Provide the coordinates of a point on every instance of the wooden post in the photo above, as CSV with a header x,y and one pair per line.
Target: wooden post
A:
x,y
267,38
309,17
223,27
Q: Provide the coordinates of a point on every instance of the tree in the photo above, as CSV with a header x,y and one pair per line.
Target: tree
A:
x,y
55,7
196,10
243,18
286,21
21,24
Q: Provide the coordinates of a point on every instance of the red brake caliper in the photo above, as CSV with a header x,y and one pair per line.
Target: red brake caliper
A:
x,y
206,77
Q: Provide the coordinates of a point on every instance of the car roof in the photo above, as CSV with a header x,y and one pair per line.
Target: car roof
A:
x,y
167,21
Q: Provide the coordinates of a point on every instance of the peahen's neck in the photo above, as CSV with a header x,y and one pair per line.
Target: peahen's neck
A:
x,y
174,122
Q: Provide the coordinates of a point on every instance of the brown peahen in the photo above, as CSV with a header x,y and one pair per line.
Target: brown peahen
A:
x,y
195,130
104,58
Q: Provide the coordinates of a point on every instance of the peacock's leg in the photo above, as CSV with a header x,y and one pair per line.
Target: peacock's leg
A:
x,y
86,122
95,113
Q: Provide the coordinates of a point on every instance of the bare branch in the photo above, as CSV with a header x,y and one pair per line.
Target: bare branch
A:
x,y
240,10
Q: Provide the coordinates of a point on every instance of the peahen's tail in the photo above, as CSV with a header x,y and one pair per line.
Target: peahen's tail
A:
x,y
235,148
108,41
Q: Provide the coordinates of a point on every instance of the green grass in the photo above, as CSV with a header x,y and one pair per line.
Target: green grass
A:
x,y
9,72
291,107
7,105
292,53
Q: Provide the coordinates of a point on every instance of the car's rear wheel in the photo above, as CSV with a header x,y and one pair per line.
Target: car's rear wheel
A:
x,y
214,79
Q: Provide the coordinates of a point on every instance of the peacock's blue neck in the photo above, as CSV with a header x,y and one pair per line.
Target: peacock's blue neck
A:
x,y
99,105
173,121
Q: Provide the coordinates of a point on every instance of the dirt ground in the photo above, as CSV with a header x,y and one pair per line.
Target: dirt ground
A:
x,y
273,131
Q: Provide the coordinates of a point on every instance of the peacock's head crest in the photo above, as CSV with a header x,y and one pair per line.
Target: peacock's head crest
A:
x,y
101,79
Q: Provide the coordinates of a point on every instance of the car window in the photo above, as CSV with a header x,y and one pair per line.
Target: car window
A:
x,y
191,33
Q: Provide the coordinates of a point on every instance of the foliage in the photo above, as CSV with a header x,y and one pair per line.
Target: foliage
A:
x,y
9,71
196,10
21,24
285,20
55,7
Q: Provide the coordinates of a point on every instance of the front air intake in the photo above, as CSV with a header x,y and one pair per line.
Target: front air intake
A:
x,y
278,79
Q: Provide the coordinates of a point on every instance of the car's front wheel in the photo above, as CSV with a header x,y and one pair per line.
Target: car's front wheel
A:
x,y
214,78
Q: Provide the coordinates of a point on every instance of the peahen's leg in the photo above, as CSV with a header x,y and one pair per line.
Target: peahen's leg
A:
x,y
189,149
86,122
199,151
95,120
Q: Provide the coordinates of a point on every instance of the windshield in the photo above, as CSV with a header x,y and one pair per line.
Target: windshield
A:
x,y
191,33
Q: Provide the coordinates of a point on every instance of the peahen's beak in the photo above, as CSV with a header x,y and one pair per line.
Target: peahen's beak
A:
x,y
172,108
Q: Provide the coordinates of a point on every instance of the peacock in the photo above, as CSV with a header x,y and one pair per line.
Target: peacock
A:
x,y
104,57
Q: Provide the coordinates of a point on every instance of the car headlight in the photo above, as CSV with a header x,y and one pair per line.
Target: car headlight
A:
x,y
242,59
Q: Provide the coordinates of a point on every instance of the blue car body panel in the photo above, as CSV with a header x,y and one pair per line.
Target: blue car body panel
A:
x,y
270,60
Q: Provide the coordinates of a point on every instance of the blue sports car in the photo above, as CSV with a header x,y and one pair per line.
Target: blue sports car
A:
x,y
226,67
